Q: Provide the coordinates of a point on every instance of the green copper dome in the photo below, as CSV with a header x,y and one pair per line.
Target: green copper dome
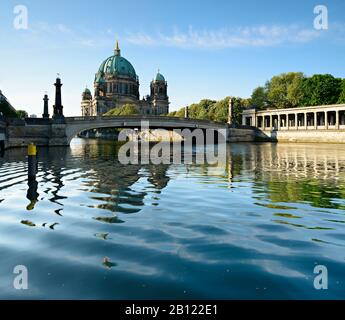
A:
x,y
87,90
159,77
117,65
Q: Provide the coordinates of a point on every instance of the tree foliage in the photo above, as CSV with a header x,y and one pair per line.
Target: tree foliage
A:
x,y
7,110
342,94
126,110
214,110
259,98
285,90
293,89
22,114
321,89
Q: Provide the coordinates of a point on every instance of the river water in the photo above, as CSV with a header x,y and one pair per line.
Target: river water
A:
x,y
254,227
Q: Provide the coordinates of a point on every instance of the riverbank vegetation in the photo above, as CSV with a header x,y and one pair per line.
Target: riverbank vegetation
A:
x,y
214,110
287,90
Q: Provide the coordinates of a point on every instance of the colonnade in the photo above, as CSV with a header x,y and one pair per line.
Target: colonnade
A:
x,y
327,117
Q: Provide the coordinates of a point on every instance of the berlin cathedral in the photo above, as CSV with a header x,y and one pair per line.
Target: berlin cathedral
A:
x,y
117,84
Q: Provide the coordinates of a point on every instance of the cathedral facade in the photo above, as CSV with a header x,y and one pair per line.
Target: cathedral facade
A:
x,y
117,84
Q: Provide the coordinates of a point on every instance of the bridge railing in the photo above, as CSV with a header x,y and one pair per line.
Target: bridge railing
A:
x,y
141,118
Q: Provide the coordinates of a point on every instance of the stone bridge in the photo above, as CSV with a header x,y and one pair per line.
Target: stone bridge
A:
x,y
76,125
49,132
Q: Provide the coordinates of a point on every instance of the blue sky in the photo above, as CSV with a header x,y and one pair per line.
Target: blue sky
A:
x,y
205,49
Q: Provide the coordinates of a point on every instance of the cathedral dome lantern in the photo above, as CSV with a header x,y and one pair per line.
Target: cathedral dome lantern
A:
x,y
116,65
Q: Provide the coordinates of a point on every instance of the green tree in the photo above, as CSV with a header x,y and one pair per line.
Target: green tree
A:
x,y
22,114
219,110
126,110
285,90
342,94
259,98
200,110
321,89
179,113
7,110
214,110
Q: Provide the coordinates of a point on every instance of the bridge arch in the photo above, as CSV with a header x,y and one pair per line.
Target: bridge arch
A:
x,y
79,124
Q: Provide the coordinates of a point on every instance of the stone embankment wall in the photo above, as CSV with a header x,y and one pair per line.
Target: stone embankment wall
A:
x,y
309,136
241,134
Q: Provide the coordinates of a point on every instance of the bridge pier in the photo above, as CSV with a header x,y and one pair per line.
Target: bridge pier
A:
x,y
58,135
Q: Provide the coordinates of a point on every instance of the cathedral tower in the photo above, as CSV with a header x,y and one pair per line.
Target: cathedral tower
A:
x,y
159,95
86,104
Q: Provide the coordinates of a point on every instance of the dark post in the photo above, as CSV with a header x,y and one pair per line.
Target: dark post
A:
x,y
58,108
46,107
32,161
2,148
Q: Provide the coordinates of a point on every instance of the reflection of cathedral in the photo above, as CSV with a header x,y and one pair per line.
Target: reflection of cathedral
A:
x,y
116,84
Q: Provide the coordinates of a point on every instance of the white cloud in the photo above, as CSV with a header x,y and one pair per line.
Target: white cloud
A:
x,y
261,36
245,36
62,28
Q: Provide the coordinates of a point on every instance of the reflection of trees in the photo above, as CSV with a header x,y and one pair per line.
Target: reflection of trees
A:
x,y
312,191
298,173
